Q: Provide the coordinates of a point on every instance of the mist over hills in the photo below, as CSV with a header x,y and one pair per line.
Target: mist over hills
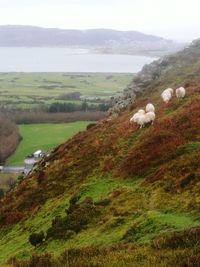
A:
x,y
106,40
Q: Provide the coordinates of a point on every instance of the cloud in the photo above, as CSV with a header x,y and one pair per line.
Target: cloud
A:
x,y
174,19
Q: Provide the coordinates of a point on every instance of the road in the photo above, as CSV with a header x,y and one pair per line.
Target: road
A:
x,y
12,169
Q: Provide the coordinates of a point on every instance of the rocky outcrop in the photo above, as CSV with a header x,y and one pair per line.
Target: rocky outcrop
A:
x,y
155,71
142,80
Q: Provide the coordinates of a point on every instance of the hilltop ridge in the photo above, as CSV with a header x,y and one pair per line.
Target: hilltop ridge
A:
x,y
117,195
96,40
165,70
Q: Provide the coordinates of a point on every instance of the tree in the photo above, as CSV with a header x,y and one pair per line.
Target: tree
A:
x,y
84,106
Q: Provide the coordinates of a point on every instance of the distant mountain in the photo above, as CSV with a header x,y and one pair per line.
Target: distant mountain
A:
x,y
30,36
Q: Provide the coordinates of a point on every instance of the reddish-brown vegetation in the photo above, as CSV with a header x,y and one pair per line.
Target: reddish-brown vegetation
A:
x,y
11,217
115,146
9,137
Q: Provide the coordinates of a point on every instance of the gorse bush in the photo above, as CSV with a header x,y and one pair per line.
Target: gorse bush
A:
x,y
79,215
91,125
74,199
36,238
181,239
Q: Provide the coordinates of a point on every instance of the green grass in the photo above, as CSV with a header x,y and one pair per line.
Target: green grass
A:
x,y
154,222
29,90
98,188
43,136
146,222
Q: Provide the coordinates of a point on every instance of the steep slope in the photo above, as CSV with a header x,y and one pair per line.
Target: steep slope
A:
x,y
180,68
116,195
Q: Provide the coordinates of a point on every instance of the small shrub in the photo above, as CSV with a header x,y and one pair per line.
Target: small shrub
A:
x,y
20,178
103,202
36,238
189,178
1,193
40,176
182,239
91,125
74,199
78,217
42,260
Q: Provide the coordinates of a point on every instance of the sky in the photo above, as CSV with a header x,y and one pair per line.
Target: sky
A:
x,y
173,19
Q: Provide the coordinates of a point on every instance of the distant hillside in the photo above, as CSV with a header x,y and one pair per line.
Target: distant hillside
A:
x,y
116,195
104,39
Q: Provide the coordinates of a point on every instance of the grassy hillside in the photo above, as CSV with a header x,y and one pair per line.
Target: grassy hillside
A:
x,y
43,136
116,195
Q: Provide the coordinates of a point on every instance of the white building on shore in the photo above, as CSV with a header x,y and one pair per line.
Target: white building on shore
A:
x,y
32,159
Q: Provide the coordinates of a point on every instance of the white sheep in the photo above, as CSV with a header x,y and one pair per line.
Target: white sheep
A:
x,y
137,115
143,118
150,117
167,95
141,111
150,108
146,118
180,92
170,90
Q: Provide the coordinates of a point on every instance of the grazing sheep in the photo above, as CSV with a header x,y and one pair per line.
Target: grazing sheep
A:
x,y
137,115
180,92
170,90
141,111
146,118
150,117
150,108
167,95
143,118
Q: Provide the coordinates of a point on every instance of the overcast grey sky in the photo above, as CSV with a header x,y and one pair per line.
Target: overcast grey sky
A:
x,y
173,19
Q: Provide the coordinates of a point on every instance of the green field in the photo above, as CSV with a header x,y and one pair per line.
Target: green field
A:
x,y
43,136
33,90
